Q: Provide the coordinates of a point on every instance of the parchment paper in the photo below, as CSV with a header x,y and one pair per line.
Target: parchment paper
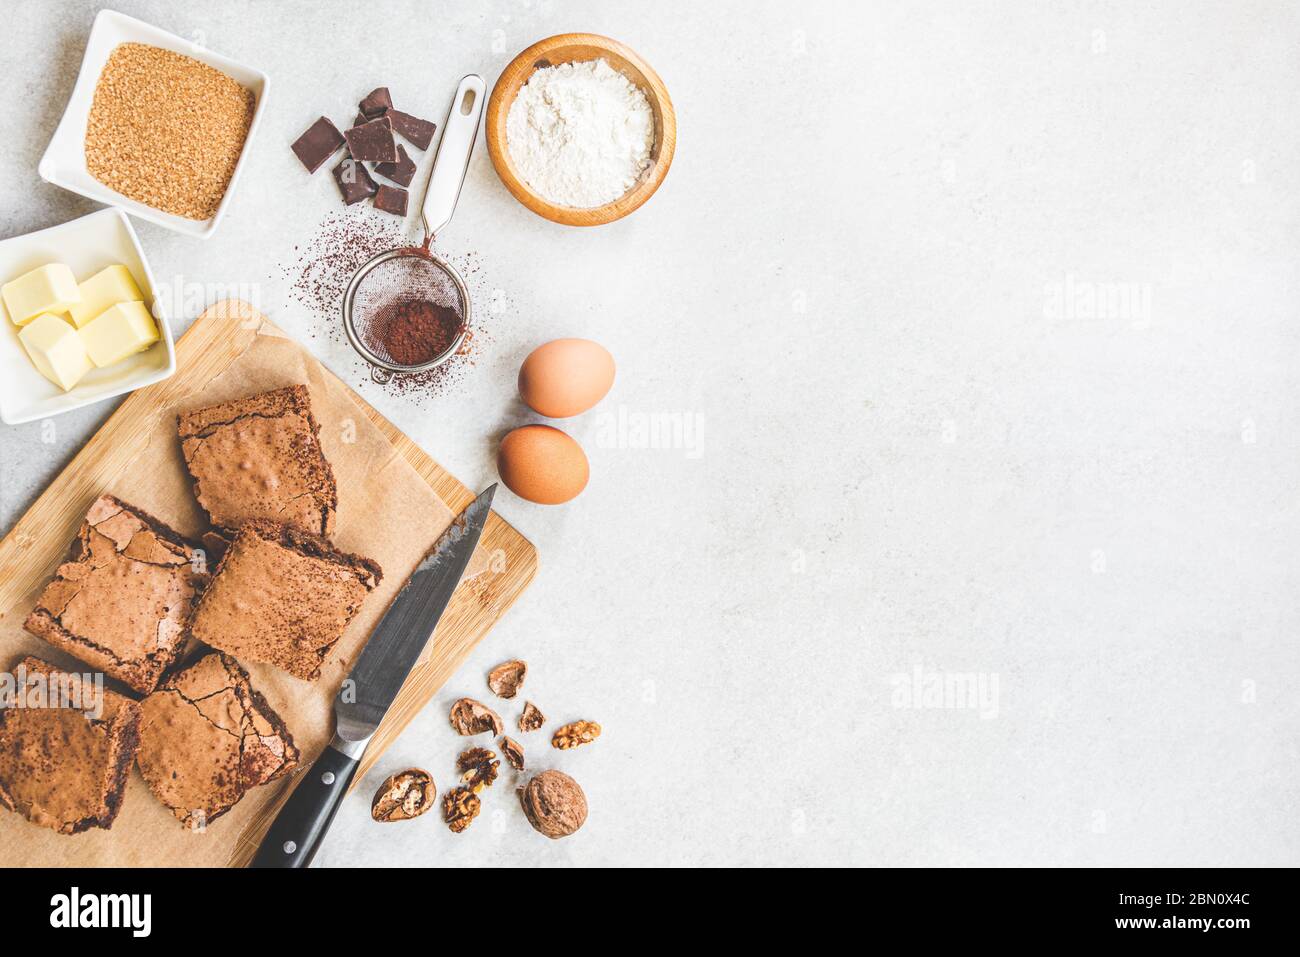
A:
x,y
386,512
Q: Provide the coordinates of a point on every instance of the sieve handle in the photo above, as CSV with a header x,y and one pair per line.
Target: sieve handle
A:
x,y
451,161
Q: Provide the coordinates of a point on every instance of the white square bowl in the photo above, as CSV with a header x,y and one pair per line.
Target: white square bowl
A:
x,y
64,162
87,245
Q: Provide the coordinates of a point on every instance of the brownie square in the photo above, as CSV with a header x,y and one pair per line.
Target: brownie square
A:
x,y
207,738
282,596
260,457
63,765
122,601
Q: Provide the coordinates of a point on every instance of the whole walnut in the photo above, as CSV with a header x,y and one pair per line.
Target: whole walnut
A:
x,y
554,804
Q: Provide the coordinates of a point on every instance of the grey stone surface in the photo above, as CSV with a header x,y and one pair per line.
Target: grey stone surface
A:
x,y
919,454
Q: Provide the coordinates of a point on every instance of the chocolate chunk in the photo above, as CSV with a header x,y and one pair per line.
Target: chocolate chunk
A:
x,y
391,200
417,131
373,141
362,118
354,181
373,106
319,143
403,171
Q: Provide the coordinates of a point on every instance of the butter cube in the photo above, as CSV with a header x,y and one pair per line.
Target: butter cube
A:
x,y
50,288
56,350
106,288
119,331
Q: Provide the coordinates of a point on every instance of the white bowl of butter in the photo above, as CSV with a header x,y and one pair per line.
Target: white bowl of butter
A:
x,y
97,352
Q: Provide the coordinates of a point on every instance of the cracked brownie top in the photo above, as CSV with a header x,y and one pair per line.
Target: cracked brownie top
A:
x,y
260,457
123,599
207,737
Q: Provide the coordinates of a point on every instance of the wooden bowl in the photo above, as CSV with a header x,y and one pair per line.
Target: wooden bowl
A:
x,y
563,49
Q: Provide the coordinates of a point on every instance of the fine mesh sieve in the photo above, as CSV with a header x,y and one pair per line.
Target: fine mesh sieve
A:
x,y
407,310
391,288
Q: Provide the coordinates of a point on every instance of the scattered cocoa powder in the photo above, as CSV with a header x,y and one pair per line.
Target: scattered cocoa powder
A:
x,y
323,267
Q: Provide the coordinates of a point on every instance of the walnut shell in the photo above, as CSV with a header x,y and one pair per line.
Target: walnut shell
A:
x,y
473,717
513,752
554,804
532,718
507,678
405,795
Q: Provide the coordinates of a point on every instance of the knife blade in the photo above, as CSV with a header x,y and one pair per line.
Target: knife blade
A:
x,y
368,692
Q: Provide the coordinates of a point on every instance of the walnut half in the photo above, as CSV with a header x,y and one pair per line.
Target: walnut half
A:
x,y
574,734
459,807
405,795
478,768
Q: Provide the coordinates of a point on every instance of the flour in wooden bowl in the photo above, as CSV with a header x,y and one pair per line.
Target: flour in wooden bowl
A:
x,y
580,134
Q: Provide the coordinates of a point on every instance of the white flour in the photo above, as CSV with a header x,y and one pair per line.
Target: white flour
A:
x,y
580,133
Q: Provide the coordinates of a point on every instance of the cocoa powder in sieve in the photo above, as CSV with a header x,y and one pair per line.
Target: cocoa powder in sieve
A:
x,y
412,332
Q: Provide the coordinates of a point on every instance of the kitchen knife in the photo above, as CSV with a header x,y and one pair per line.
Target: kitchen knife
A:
x,y
365,696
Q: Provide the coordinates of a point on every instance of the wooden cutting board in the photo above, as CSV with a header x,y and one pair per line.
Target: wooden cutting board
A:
x,y
223,332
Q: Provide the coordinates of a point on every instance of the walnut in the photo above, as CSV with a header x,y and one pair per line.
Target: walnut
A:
x,y
473,717
513,752
405,795
478,768
507,678
459,807
574,734
531,719
554,804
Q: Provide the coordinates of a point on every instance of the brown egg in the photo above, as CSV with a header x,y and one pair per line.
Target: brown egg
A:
x,y
565,377
542,464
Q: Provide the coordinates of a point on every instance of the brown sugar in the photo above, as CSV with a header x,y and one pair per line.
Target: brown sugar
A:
x,y
166,130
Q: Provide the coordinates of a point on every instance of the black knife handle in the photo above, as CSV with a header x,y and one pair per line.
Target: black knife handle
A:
x,y
301,824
